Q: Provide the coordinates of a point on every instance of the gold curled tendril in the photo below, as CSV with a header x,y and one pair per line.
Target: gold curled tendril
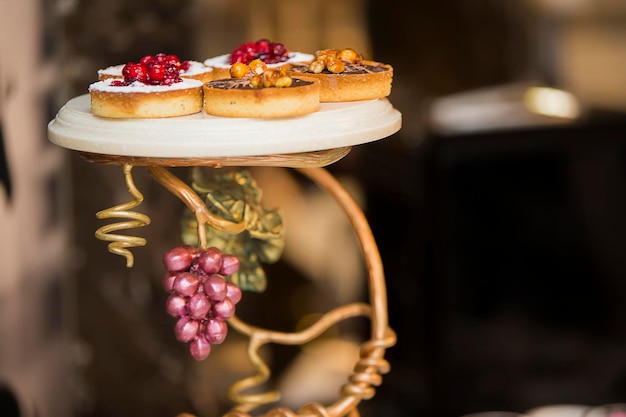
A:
x,y
260,337
120,243
366,374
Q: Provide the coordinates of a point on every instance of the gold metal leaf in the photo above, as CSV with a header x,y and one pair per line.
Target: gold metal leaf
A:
x,y
235,196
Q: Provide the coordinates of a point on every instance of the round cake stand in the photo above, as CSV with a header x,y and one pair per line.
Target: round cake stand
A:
x,y
306,144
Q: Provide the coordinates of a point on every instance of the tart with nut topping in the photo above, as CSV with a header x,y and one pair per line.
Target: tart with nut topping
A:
x,y
256,91
273,54
345,76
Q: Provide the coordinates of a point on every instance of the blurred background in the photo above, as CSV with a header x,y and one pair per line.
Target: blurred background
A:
x,y
498,210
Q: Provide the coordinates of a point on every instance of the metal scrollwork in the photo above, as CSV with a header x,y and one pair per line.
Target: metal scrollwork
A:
x,y
226,212
120,243
236,197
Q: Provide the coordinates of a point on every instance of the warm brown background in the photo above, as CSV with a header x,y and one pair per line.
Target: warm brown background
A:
x,y
503,249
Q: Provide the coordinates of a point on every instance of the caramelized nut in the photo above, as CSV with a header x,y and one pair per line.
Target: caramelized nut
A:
x,y
316,67
257,66
269,77
256,81
327,52
283,81
336,66
239,70
349,55
284,70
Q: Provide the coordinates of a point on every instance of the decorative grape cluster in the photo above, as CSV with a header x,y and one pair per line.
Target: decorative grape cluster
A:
x,y
159,69
263,49
200,297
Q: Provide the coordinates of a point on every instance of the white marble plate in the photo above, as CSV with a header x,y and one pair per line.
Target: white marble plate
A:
x,y
335,125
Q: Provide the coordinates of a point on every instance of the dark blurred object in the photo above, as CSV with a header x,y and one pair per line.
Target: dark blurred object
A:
x,y
506,279
519,105
505,268
5,173
524,229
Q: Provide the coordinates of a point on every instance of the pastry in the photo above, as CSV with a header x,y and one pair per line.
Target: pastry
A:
x,y
187,69
146,91
345,76
257,91
273,54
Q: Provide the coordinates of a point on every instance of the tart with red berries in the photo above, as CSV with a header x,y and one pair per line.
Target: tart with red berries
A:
x,y
186,69
345,76
273,54
256,91
146,91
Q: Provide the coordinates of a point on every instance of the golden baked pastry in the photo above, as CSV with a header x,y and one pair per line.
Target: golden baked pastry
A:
x,y
147,90
256,91
145,101
345,76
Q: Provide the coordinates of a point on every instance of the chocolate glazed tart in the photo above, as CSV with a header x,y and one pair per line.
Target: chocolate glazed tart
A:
x,y
233,97
367,80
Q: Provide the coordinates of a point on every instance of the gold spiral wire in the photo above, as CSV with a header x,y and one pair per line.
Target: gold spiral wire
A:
x,y
236,391
367,374
370,367
119,243
260,337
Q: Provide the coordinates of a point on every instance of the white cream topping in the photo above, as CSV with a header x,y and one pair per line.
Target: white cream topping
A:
x,y
223,61
195,67
115,70
138,87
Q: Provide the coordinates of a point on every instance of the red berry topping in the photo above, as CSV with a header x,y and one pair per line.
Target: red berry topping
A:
x,y
279,50
263,49
184,66
147,61
135,72
159,69
263,46
157,73
160,58
172,60
238,56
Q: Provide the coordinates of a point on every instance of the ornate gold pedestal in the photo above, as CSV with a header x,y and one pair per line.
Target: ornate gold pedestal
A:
x,y
304,148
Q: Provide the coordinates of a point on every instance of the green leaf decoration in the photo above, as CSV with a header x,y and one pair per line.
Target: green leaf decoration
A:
x,y
235,196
